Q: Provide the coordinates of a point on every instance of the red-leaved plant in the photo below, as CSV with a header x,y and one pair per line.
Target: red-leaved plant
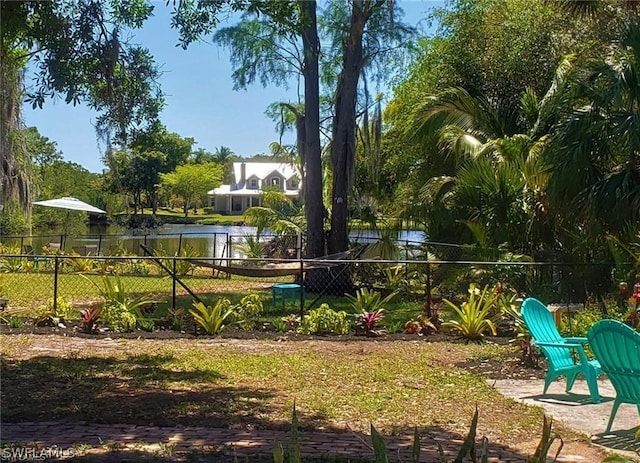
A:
x,y
90,317
367,321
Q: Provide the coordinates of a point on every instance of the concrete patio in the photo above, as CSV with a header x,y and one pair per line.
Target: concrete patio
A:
x,y
577,412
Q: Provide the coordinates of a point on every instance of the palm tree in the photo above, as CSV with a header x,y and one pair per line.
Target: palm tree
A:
x,y
595,151
223,154
494,178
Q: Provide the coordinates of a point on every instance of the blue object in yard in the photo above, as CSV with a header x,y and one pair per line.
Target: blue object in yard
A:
x,y
558,350
617,347
284,290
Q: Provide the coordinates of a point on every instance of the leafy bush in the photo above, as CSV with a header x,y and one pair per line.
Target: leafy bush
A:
x,y
578,323
246,312
213,318
12,264
120,312
177,319
79,263
119,318
324,320
288,323
47,314
473,318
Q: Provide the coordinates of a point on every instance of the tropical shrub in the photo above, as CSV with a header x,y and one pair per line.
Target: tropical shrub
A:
x,y
252,248
184,266
473,318
80,264
367,300
177,319
118,318
12,264
324,320
246,312
287,323
47,314
578,323
369,306
213,319
120,312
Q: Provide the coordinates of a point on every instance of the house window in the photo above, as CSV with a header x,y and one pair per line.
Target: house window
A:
x,y
293,183
253,184
275,181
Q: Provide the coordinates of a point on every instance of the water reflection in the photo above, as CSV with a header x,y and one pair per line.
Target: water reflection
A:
x,y
206,240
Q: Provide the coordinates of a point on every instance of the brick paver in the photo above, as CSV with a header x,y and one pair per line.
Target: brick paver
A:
x,y
229,441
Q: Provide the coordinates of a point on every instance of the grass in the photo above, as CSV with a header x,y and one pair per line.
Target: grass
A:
x,y
30,290
176,215
394,385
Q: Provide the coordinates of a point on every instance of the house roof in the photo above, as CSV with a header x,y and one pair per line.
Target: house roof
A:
x,y
263,169
226,190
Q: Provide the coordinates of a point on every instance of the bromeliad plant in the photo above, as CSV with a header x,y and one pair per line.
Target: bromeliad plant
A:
x,y
213,319
474,317
120,312
369,308
90,318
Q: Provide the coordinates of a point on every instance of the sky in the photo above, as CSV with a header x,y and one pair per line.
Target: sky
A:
x,y
199,96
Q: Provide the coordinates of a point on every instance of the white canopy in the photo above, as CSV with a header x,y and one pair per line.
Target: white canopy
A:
x,y
70,203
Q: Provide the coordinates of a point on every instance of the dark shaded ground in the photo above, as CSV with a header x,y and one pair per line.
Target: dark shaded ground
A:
x,y
512,367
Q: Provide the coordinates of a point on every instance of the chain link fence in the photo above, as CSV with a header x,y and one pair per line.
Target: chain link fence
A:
x,y
293,284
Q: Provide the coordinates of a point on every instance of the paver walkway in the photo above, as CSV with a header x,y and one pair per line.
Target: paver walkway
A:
x,y
228,442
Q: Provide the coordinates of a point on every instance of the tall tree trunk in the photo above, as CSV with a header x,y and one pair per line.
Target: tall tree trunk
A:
x,y
343,144
314,208
16,186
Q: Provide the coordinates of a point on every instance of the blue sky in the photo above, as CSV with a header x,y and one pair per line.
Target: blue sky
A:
x,y
200,100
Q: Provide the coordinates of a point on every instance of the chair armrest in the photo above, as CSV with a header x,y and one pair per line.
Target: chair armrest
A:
x,y
577,340
558,344
578,348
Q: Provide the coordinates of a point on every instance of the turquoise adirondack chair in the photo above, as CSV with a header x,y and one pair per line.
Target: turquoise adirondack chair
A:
x,y
558,350
617,347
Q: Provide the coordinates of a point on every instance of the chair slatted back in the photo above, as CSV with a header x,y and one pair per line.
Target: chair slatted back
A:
x,y
540,324
617,348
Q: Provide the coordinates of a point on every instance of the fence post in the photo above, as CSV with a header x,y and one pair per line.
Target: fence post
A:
x,y
173,292
99,243
301,288
55,284
428,290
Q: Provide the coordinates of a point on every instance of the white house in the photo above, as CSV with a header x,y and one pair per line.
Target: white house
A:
x,y
251,179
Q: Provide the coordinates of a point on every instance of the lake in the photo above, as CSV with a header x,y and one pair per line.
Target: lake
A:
x,y
207,240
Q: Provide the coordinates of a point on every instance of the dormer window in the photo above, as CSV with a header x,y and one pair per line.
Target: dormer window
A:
x,y
253,184
274,181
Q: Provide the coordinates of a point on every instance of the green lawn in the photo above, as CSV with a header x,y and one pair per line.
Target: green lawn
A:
x,y
176,215
394,385
30,290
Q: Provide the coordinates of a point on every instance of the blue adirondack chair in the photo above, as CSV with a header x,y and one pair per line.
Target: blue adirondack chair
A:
x,y
558,350
617,347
